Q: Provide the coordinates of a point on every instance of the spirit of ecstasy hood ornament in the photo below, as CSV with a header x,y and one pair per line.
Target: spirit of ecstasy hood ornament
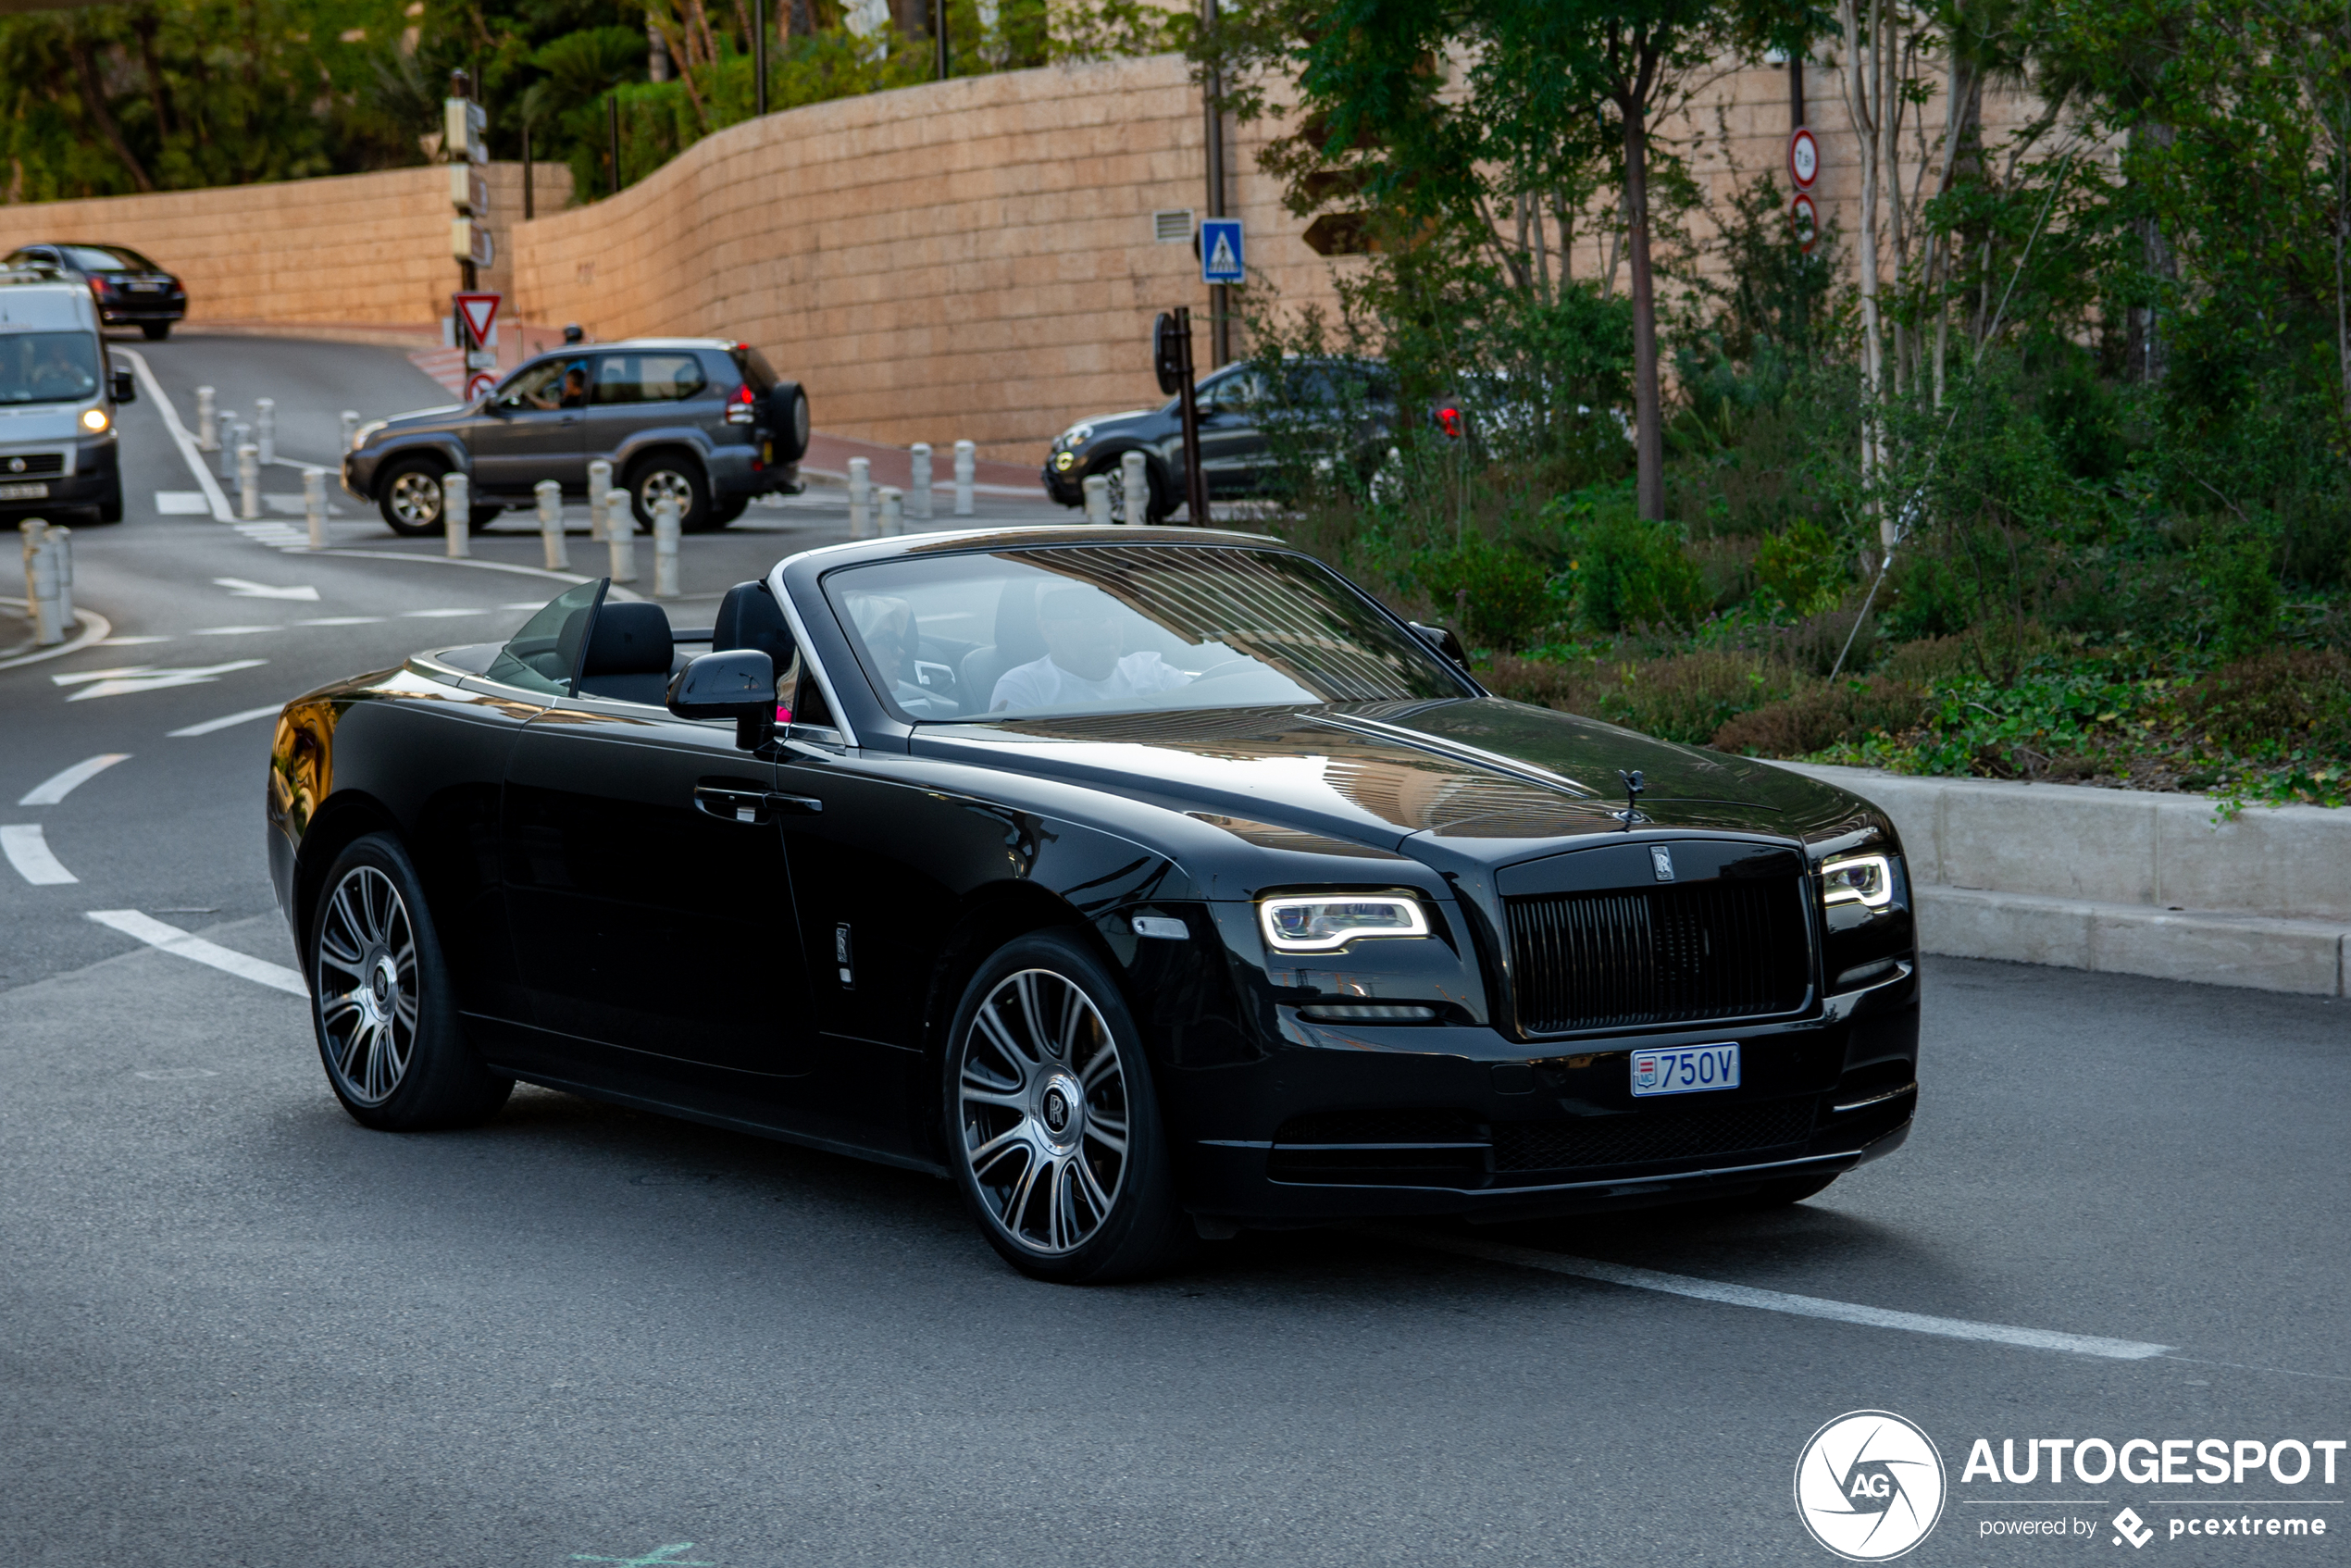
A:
x,y
1632,787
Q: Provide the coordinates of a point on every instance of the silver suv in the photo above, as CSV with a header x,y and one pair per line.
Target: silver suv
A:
x,y
703,422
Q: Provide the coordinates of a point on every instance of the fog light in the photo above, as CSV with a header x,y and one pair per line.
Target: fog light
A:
x,y
94,420
1065,461
1367,1012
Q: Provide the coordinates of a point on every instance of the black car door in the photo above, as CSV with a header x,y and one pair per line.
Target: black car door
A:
x,y
1233,452
653,912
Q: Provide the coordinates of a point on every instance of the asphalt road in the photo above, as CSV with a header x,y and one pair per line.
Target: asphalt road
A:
x,y
235,1327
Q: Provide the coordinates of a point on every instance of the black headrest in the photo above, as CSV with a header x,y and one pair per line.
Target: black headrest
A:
x,y
630,638
750,618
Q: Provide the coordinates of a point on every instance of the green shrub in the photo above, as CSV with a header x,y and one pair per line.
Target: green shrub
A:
x,y
1500,594
2233,568
1820,717
1686,698
2283,698
1802,567
1622,570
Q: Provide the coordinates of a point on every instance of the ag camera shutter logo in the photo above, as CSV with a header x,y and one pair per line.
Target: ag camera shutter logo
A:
x,y
1870,1485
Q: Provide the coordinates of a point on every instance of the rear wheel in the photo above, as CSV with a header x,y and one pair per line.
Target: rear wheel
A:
x,y
725,512
677,478
157,330
380,1003
480,517
1052,1123
409,497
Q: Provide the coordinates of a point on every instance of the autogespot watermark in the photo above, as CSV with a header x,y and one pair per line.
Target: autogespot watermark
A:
x,y
1870,1485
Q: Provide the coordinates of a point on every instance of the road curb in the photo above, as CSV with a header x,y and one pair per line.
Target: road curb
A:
x,y
95,628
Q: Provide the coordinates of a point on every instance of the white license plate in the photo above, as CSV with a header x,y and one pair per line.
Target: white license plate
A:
x,y
24,493
1688,1069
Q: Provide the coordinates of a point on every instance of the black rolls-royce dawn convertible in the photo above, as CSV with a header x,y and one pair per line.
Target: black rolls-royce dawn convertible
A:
x,y
1147,883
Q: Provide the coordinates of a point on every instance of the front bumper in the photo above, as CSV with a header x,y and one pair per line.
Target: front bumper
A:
x,y
1065,488
1363,1123
93,485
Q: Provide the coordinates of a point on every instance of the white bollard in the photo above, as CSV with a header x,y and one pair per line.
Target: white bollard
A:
x,y
265,427
599,487
1134,487
666,549
861,491
893,511
314,506
61,547
350,429
551,524
458,514
1096,488
966,461
207,421
40,584
248,480
918,491
620,534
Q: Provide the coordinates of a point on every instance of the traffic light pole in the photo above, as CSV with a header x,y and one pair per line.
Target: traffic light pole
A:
x,y
1195,480
1220,331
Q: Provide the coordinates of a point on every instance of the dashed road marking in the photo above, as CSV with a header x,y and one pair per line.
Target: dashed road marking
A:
x,y
182,944
49,791
439,614
341,620
1774,1301
130,641
245,589
208,725
28,851
183,504
232,630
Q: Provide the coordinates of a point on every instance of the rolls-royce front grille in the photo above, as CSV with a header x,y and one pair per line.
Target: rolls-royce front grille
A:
x,y
1668,954
1643,1136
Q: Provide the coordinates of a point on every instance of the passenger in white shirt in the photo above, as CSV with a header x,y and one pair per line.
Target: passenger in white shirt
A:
x,y
1081,667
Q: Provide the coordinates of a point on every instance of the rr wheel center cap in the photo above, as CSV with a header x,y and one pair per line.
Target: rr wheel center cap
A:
x,y
382,992
1060,1109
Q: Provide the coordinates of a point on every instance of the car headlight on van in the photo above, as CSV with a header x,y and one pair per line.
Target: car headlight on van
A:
x,y
95,420
1323,922
1857,878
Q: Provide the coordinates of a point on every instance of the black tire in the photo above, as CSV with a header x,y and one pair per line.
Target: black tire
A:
x,y
480,517
408,496
1155,508
787,421
1004,1084
725,512
672,473
157,330
381,1005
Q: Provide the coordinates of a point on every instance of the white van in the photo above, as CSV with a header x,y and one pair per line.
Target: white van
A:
x,y
57,402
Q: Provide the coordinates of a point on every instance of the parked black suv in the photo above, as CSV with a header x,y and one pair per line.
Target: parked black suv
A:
x,y
706,423
128,288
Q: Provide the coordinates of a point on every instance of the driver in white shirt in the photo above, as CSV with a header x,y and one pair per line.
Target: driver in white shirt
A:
x,y
1082,666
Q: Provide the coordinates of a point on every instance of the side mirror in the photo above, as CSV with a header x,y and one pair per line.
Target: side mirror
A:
x,y
126,386
738,684
1443,639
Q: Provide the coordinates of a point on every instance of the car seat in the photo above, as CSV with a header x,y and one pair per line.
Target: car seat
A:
x,y
1018,641
628,653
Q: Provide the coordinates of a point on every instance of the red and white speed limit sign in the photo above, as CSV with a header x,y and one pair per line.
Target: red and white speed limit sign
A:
x,y
481,381
1806,218
1803,158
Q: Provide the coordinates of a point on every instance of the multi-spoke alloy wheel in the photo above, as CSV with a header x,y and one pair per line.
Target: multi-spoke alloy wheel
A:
x,y
365,983
390,1033
668,484
1043,1097
413,500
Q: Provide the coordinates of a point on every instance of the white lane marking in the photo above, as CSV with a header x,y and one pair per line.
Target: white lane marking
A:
x,y
242,589
130,642
232,630
172,940
146,677
94,628
177,1074
179,433
208,725
183,504
1777,1300
439,614
49,791
341,620
525,605
28,852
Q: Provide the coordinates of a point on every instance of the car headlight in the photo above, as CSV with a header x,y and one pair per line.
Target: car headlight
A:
x,y
1857,878
94,420
1326,921
1075,436
367,433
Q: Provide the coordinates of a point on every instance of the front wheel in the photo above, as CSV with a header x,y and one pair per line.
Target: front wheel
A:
x,y
157,330
380,1002
409,498
1052,1126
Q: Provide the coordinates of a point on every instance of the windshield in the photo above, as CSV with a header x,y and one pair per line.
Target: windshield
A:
x,y
48,366
544,656
107,258
1122,628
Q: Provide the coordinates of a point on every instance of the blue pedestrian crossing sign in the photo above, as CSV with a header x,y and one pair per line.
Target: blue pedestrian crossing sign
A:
x,y
1220,251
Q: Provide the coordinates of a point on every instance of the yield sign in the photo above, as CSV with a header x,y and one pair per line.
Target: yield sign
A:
x,y
479,311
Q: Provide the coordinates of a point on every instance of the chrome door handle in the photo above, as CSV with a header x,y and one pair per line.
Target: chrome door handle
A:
x,y
796,805
748,806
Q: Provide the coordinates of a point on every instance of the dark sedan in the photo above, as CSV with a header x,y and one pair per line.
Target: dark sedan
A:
x,y
1147,884
128,290
1254,420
